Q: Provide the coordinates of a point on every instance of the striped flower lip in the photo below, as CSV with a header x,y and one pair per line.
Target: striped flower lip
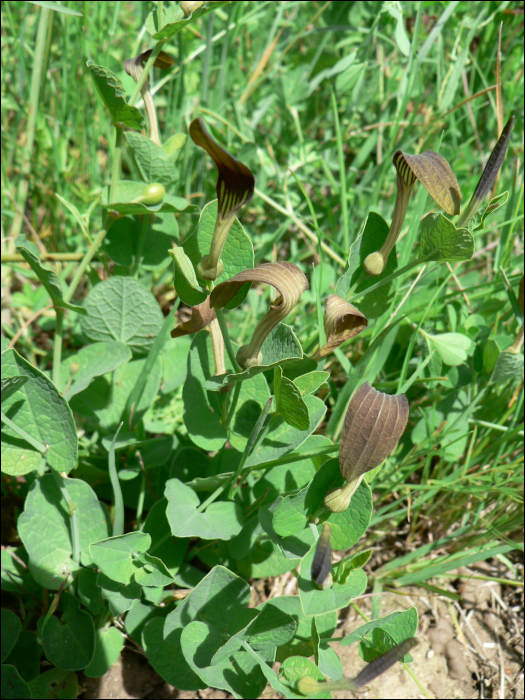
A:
x,y
287,279
235,187
374,424
342,321
436,176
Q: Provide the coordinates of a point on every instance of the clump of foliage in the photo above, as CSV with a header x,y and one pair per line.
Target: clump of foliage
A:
x,y
162,461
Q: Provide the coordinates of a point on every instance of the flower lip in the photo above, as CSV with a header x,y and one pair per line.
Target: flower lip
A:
x,y
236,182
286,278
373,426
434,173
201,316
342,321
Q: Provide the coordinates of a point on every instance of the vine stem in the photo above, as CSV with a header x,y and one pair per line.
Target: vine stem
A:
x,y
227,341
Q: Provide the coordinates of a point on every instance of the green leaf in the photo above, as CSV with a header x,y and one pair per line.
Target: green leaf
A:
x,y
77,371
173,19
46,684
112,92
451,347
252,400
296,667
347,527
51,282
109,642
45,530
13,685
11,628
221,520
25,656
119,596
281,347
358,561
202,409
371,239
237,255
104,400
290,404
39,410
116,556
154,573
491,208
152,161
290,516
10,385
508,366
442,241
302,642
399,625
290,477
215,601
122,309
184,271
122,240
69,642
199,641
127,191
310,382
292,547
175,363
490,355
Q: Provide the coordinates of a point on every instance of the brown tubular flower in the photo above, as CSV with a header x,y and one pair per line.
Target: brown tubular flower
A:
x,y
436,175
133,67
341,322
374,423
234,189
203,316
287,279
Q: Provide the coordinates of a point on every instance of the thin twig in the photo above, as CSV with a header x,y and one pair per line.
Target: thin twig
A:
x,y
22,328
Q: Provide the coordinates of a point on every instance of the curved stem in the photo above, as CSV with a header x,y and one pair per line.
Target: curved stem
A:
x,y
376,262
227,341
57,350
118,521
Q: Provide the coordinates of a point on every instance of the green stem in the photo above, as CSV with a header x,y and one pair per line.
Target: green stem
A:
x,y
92,250
233,405
118,521
253,441
30,130
138,389
40,447
232,479
149,65
342,173
386,280
142,239
57,350
115,168
75,534
227,341
266,466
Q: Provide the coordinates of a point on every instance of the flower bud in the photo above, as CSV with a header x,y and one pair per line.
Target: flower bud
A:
x,y
151,195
